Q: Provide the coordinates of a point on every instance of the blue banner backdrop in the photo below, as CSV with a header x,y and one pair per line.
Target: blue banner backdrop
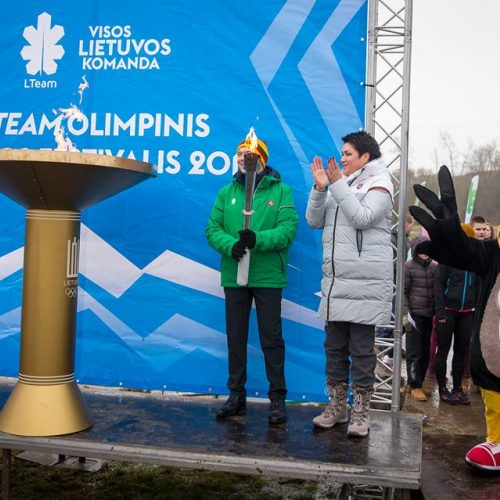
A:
x,y
178,84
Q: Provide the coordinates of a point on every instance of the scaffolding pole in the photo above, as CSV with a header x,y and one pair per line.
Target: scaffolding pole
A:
x,y
387,119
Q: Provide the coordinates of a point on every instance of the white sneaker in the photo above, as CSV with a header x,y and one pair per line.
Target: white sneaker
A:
x,y
388,361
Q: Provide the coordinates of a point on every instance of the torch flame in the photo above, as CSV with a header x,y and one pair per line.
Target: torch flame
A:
x,y
251,140
63,143
72,111
62,140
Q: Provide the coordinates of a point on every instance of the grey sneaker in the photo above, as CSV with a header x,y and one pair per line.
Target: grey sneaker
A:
x,y
336,411
359,424
330,417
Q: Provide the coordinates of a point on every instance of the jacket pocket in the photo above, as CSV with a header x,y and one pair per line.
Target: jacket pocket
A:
x,y
282,261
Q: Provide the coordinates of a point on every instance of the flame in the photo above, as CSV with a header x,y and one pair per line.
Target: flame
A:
x,y
72,112
63,142
82,87
251,140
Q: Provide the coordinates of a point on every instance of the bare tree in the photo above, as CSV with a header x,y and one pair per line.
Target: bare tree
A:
x,y
467,157
452,154
485,158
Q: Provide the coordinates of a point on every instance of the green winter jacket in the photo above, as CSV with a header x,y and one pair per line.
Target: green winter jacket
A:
x,y
274,222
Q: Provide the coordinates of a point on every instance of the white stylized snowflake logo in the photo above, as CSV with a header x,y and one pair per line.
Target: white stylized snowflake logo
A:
x,y
42,51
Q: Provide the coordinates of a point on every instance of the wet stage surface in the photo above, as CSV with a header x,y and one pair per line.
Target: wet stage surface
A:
x,y
184,431
450,432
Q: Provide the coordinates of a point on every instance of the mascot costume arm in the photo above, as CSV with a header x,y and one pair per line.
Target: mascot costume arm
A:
x,y
451,246
448,242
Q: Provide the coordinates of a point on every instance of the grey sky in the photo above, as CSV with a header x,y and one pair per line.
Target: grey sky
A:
x,y
455,75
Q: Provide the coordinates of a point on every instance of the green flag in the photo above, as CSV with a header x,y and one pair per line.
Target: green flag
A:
x,y
471,198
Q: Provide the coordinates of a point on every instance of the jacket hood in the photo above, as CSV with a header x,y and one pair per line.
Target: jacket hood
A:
x,y
414,243
373,167
376,171
376,166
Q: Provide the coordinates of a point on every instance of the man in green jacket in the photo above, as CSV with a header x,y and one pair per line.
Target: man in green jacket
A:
x,y
272,229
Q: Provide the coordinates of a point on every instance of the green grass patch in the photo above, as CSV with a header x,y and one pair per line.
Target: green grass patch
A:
x,y
116,480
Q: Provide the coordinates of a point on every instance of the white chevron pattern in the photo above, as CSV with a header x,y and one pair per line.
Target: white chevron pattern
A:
x,y
108,268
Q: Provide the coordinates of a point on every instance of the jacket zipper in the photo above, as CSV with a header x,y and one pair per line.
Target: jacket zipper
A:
x,y
464,291
333,250
279,253
333,265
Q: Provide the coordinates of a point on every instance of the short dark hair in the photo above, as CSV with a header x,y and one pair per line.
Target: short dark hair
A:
x,y
478,219
363,143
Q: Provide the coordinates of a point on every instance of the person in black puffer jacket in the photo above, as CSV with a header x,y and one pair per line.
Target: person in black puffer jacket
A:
x,y
419,308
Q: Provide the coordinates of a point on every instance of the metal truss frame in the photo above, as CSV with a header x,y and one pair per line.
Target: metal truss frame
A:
x,y
387,119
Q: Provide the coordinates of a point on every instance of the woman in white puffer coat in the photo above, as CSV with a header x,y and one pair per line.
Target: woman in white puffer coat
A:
x,y
354,209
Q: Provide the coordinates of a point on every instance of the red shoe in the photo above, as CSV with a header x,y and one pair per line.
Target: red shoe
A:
x,y
485,456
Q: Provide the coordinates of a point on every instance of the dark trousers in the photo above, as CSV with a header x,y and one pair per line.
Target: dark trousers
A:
x,y
418,344
458,326
268,307
344,339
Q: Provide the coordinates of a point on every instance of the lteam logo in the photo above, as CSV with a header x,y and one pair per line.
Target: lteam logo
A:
x,y
43,51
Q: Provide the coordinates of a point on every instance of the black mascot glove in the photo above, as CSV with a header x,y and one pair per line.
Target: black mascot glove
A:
x,y
247,236
444,209
444,230
238,250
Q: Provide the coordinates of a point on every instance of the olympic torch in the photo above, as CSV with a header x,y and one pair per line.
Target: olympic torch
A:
x,y
250,162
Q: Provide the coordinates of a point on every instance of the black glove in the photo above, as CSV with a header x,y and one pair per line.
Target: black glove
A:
x,y
247,236
445,229
238,250
443,209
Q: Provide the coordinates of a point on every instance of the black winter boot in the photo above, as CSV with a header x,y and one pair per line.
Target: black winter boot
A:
x,y
236,404
277,412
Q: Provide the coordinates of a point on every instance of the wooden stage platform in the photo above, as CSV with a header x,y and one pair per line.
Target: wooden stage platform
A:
x,y
183,431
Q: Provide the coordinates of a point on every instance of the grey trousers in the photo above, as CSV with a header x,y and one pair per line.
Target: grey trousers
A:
x,y
344,340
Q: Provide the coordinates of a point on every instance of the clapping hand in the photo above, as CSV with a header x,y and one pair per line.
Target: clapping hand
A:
x,y
319,174
322,177
333,171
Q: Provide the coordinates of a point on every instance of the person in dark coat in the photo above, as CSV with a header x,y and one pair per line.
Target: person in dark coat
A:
x,y
455,298
419,308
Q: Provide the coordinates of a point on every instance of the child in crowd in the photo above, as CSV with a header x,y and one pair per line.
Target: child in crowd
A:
x,y
419,310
